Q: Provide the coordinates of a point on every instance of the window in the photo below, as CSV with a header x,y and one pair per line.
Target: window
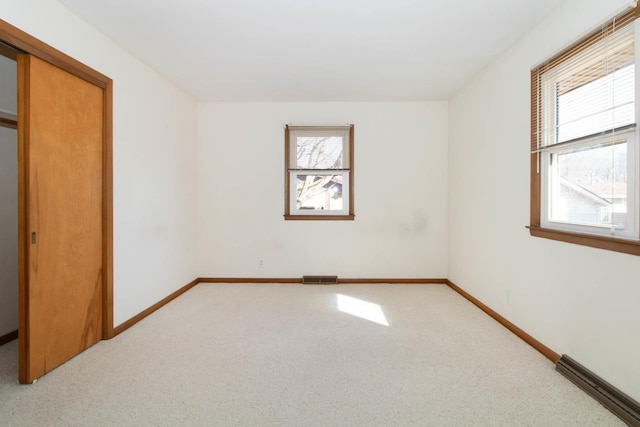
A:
x,y
319,172
584,141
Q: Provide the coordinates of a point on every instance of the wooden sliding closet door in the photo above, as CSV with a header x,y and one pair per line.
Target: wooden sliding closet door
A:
x,y
60,131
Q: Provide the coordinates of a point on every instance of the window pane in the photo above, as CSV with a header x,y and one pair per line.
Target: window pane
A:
x,y
319,192
603,104
319,152
589,186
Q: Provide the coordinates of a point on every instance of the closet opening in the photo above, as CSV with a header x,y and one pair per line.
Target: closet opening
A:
x,y
8,195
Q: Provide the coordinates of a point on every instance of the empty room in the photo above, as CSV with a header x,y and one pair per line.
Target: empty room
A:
x,y
358,213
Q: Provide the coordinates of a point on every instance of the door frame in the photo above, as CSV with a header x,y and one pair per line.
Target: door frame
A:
x,y
26,43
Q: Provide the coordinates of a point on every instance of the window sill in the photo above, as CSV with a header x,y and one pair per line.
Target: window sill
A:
x,y
319,217
601,242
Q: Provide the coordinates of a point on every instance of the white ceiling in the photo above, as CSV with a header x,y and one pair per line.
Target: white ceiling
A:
x,y
315,50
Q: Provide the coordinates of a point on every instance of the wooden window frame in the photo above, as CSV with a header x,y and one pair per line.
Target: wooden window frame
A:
x,y
287,186
595,241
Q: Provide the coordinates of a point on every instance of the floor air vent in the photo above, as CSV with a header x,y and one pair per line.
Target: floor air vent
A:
x,y
613,399
320,280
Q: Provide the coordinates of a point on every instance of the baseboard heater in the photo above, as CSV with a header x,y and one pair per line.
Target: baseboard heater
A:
x,y
319,280
611,398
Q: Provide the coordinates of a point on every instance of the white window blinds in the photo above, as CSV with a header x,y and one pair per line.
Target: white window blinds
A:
x,y
589,90
319,147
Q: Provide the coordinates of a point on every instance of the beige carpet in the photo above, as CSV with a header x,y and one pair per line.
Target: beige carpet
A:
x,y
295,355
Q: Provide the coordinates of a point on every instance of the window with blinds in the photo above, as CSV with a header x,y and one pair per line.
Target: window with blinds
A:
x,y
584,139
319,172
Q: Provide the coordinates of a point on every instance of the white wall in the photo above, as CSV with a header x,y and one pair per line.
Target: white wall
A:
x,y
8,230
154,149
400,229
577,300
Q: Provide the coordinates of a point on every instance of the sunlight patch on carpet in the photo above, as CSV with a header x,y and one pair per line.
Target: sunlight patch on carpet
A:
x,y
363,309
